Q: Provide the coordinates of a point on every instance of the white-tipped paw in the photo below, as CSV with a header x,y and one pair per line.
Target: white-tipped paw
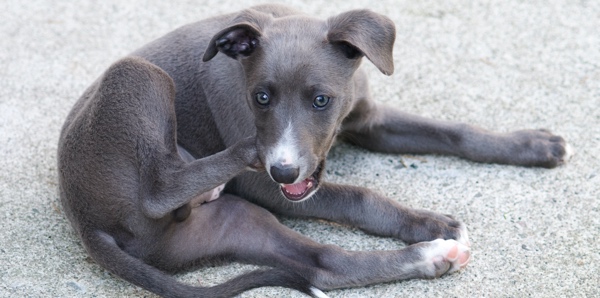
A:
x,y
444,256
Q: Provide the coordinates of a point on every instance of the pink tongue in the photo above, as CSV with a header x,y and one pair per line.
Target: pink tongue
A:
x,y
296,189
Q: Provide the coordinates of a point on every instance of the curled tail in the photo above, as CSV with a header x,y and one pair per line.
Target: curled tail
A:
x,y
103,248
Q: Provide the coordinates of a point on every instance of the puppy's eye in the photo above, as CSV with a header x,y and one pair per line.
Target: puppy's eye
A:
x,y
262,98
321,101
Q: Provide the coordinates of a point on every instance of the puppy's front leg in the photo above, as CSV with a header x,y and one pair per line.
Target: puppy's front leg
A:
x,y
386,129
176,183
373,213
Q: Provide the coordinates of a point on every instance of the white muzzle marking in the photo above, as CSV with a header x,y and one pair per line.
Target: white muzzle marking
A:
x,y
285,151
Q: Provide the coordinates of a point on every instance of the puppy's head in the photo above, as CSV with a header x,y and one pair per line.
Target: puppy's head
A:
x,y
300,83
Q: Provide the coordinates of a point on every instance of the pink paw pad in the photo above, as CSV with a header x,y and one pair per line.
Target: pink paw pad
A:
x,y
446,256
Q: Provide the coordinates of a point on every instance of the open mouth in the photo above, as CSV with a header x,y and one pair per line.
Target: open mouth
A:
x,y
304,189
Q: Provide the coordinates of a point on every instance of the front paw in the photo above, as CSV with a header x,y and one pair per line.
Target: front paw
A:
x,y
425,225
538,148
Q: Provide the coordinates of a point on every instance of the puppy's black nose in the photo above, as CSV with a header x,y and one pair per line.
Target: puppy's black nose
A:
x,y
284,174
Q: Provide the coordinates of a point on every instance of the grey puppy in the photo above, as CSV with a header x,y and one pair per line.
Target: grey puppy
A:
x,y
145,151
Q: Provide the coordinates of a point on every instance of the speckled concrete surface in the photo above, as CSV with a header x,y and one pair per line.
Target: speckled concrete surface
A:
x,y
503,65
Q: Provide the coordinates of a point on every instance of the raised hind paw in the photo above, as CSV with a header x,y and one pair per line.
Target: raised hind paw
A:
x,y
441,257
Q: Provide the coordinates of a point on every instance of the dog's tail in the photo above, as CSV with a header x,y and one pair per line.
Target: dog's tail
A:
x,y
109,255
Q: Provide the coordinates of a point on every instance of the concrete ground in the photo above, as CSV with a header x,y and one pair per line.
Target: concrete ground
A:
x,y
502,65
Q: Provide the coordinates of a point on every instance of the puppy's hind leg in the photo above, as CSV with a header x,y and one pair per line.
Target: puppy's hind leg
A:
x,y
235,228
169,175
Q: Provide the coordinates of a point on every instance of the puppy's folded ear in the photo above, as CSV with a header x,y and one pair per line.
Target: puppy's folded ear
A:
x,y
363,32
239,39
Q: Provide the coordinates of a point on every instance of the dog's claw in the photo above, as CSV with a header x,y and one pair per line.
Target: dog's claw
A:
x,y
464,236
